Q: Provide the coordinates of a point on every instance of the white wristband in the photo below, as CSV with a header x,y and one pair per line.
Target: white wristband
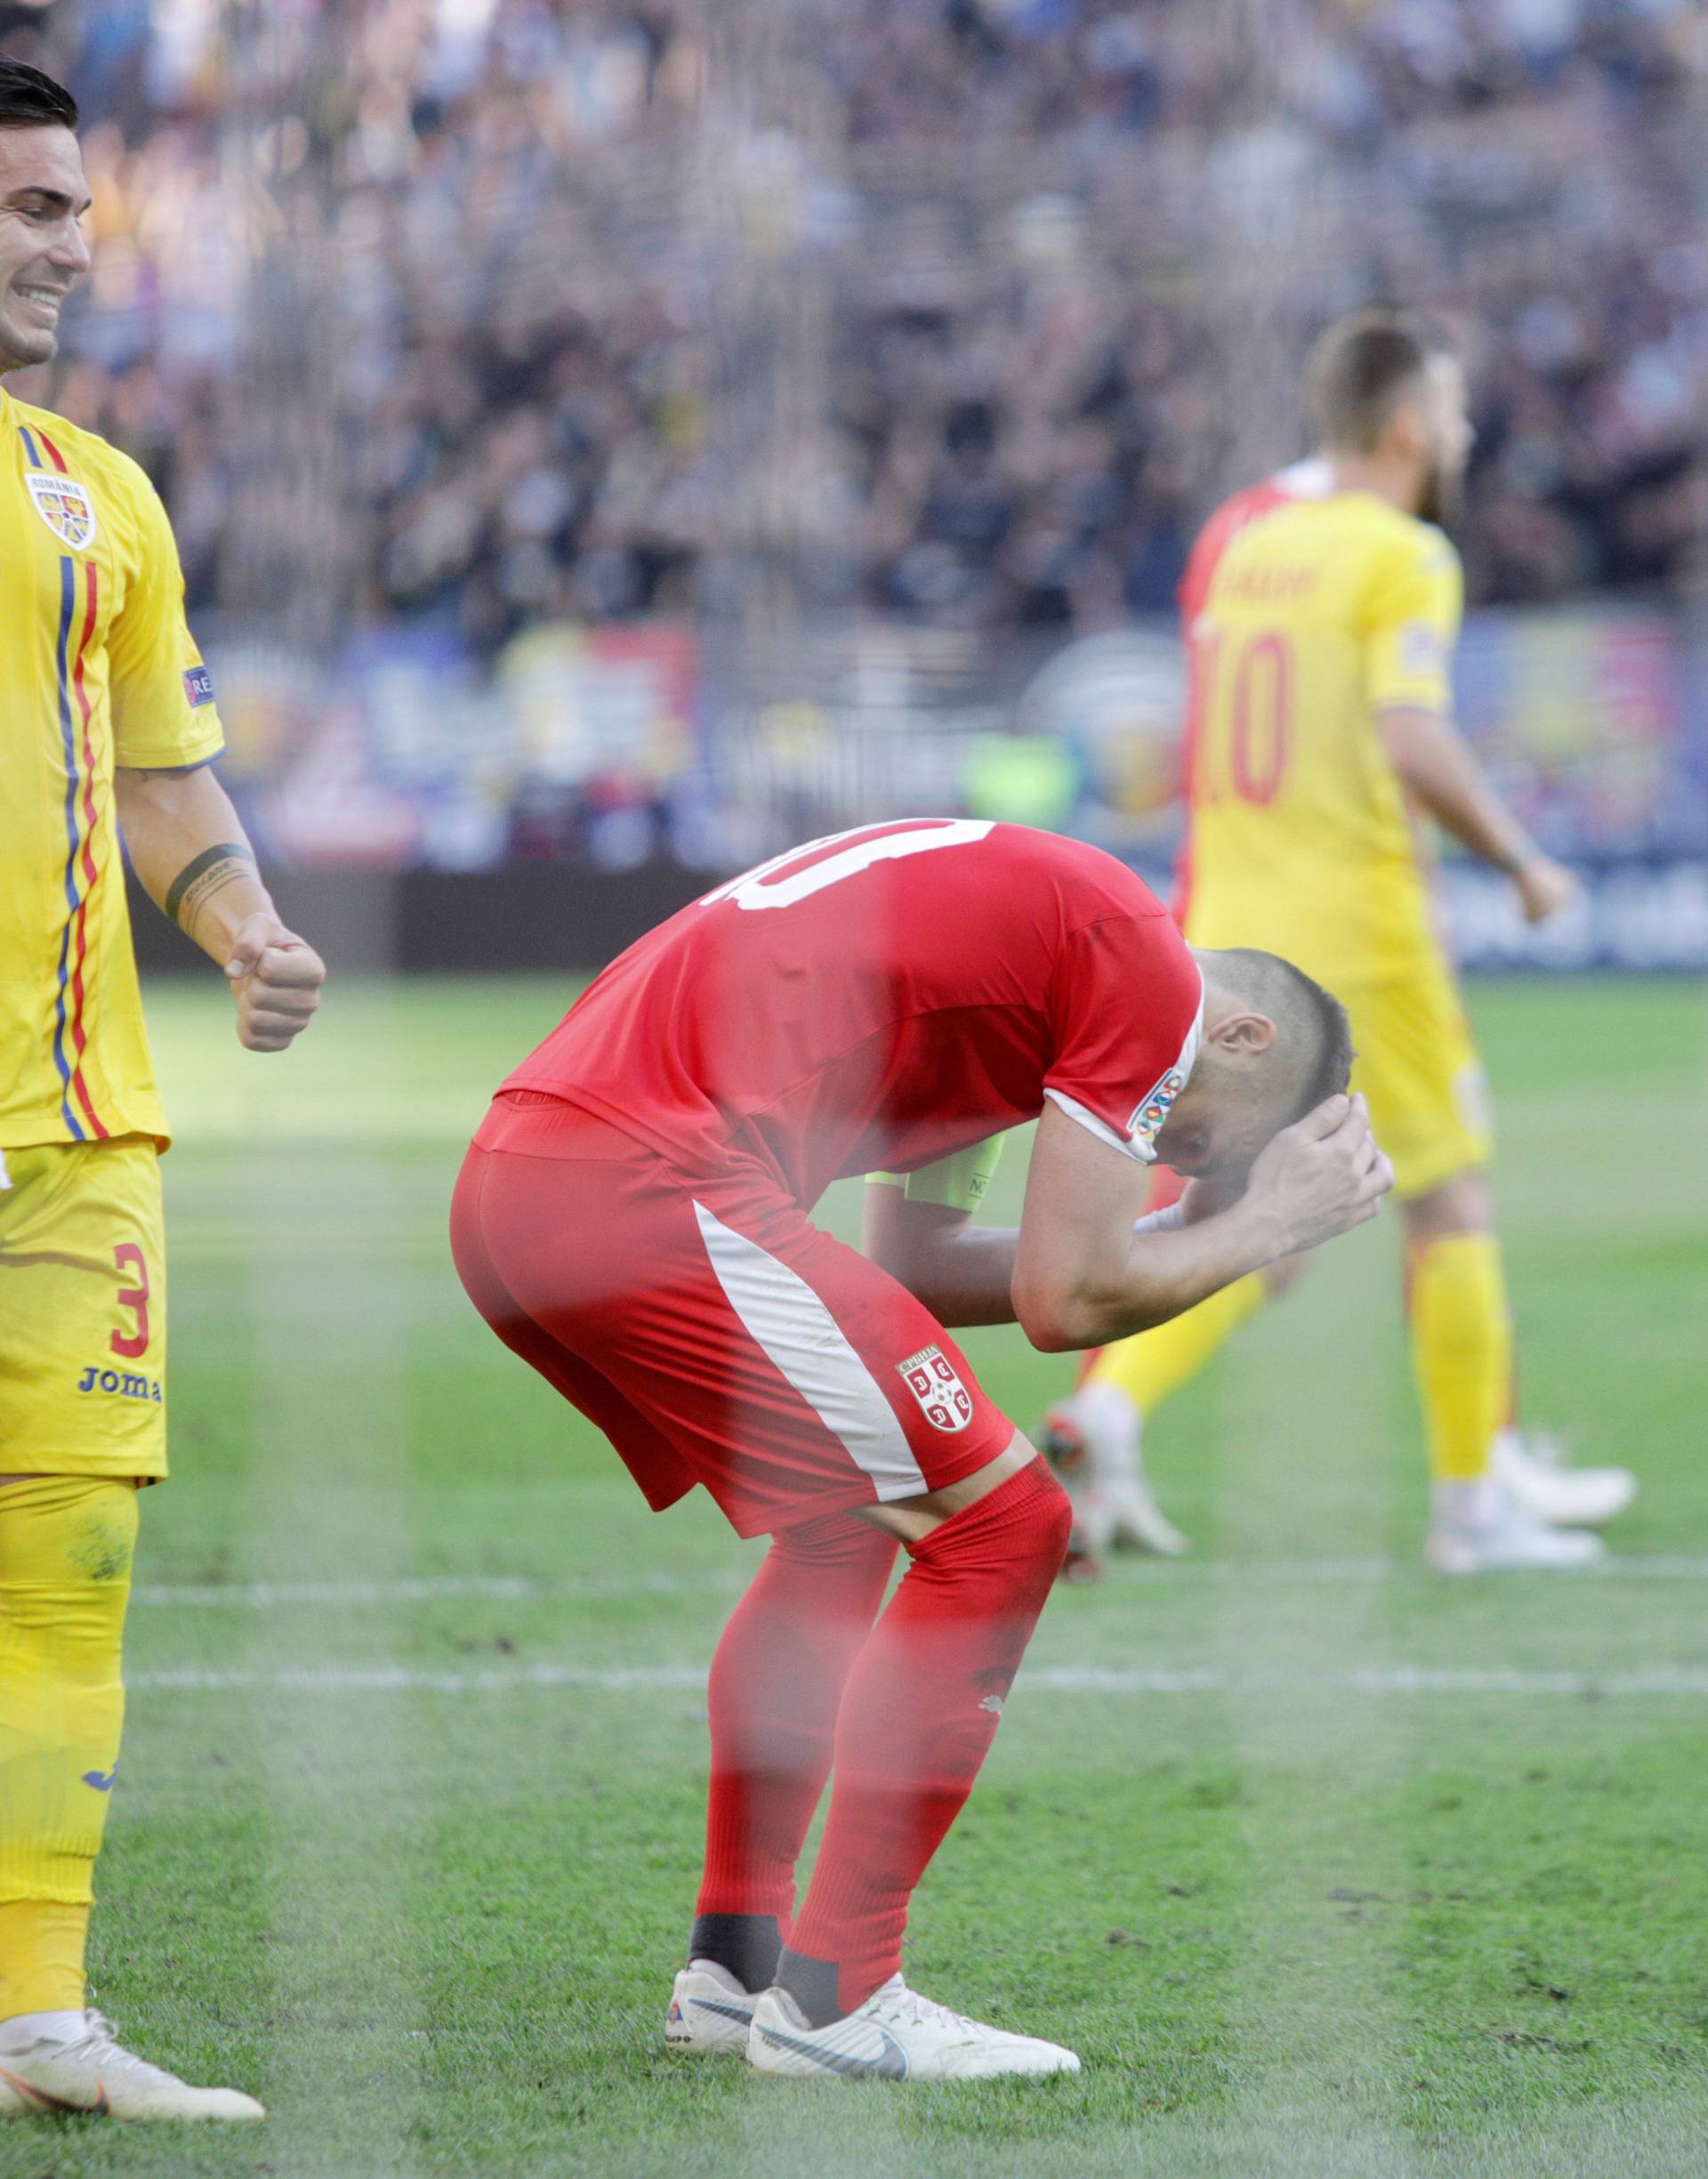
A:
x,y
1162,1222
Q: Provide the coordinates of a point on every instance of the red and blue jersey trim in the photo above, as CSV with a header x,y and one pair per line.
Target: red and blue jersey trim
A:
x,y
70,1032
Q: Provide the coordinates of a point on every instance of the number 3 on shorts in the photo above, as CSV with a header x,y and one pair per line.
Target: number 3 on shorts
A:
x,y
129,1257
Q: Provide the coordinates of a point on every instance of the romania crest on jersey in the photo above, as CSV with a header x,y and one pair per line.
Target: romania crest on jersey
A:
x,y
65,506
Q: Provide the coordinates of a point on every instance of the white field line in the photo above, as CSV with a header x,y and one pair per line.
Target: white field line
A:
x,y
1662,1681
522,1588
427,1589
1332,1573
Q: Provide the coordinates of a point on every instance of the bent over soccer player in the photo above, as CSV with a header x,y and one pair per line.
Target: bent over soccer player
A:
x,y
107,718
632,1220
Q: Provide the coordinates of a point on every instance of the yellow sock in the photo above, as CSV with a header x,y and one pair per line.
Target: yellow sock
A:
x,y
1151,1365
66,1544
1461,1350
41,1945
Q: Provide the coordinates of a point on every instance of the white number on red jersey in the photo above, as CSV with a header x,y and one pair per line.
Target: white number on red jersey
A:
x,y
768,887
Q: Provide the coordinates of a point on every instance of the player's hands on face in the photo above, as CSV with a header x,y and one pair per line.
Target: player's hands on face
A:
x,y
1544,887
276,979
1321,1176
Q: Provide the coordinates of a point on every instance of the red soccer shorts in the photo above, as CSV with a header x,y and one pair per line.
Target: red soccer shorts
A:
x,y
708,1327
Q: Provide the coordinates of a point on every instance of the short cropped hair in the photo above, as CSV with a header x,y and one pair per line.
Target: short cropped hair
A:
x,y
32,100
1360,370
1309,1018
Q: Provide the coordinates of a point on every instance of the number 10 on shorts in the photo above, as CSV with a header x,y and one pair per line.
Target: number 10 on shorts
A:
x,y
930,1377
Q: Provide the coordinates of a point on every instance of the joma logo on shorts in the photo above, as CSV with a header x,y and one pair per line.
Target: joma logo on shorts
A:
x,y
122,1382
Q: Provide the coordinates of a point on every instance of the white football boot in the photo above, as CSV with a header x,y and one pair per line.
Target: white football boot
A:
x,y
1540,1481
710,2013
1479,1528
1062,1442
896,2035
92,2071
1092,1440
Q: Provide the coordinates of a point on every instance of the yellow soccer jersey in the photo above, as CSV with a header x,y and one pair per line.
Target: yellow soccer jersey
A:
x,y
98,668
1306,616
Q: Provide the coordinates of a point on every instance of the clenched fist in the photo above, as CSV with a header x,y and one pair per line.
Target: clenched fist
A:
x,y
1544,887
276,979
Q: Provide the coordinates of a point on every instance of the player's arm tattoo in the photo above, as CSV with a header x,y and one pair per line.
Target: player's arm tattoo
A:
x,y
213,869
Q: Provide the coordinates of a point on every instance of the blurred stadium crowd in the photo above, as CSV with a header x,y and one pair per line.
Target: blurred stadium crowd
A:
x,y
964,309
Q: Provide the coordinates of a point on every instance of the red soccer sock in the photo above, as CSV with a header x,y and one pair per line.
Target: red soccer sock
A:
x,y
921,1709
775,1689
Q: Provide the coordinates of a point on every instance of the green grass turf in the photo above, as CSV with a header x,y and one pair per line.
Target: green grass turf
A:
x,y
1294,1924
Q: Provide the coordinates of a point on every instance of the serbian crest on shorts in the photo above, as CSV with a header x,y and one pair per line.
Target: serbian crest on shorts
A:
x,y
64,506
930,1377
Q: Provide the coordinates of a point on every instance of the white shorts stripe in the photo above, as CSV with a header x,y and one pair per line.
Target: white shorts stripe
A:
x,y
785,1317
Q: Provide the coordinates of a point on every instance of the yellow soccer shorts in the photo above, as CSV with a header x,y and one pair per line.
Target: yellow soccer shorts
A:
x,y
1418,1065
83,1311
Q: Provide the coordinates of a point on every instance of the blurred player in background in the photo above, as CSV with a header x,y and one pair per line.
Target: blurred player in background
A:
x,y
107,720
632,1220
1320,611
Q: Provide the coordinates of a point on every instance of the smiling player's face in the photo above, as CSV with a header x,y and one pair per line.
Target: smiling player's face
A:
x,y
43,251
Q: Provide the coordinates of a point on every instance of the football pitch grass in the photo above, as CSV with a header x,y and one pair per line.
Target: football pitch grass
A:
x,y
1323,1865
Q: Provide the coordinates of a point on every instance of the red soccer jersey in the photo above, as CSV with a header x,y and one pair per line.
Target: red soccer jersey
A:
x,y
879,998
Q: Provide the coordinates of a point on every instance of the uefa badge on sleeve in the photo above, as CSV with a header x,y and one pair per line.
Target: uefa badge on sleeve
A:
x,y
930,1377
65,506
1149,1113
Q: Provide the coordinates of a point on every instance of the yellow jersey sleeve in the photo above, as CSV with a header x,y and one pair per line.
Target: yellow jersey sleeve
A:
x,y
1411,623
163,708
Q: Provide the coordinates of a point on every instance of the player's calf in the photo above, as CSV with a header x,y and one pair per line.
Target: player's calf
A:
x,y
921,1710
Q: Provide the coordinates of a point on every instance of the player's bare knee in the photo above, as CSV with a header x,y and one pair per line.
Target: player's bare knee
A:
x,y
914,1519
1017,1455
1019,1452
1037,1513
